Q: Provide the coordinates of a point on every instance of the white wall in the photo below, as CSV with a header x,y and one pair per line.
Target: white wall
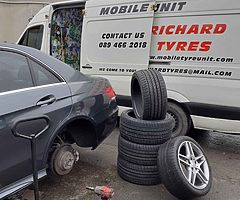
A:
x,y
15,15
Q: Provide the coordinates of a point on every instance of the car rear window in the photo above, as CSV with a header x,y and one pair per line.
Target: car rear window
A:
x,y
42,75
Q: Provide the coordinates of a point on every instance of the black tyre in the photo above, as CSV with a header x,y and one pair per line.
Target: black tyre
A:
x,y
149,95
143,131
138,174
184,168
182,121
137,153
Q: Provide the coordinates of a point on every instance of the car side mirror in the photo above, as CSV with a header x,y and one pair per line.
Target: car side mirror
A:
x,y
30,127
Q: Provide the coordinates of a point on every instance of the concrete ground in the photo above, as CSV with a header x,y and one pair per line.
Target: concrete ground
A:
x,y
99,168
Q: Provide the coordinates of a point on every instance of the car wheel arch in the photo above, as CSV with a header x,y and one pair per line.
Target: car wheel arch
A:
x,y
64,128
184,107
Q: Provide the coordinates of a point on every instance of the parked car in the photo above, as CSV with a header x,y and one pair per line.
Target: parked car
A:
x,y
81,110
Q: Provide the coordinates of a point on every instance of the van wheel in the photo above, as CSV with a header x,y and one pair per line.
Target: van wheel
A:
x,y
182,122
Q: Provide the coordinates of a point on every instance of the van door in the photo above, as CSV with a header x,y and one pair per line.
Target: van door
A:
x,y
116,39
66,31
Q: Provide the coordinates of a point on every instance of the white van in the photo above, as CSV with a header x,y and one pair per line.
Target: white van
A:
x,y
194,44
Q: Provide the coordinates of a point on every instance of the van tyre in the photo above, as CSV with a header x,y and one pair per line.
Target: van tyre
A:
x,y
184,168
137,174
182,121
137,153
149,95
145,132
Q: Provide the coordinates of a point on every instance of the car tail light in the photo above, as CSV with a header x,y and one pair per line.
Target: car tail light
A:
x,y
110,93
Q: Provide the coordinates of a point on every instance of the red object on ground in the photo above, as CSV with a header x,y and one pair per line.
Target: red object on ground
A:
x,y
104,192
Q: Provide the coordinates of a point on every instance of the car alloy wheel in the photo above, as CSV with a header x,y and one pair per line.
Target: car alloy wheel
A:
x,y
193,165
184,168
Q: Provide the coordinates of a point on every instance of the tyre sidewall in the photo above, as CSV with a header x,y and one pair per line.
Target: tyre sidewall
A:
x,y
133,97
126,117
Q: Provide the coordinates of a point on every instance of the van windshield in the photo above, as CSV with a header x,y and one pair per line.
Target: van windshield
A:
x,y
66,33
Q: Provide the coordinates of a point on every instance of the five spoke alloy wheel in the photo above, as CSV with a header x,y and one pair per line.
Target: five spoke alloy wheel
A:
x,y
193,164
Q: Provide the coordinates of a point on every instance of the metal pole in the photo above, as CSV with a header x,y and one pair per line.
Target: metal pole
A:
x,y
34,167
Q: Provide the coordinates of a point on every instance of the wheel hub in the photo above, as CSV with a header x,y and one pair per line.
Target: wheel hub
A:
x,y
176,121
193,165
63,159
67,161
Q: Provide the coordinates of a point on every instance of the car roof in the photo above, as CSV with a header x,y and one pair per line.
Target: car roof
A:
x,y
64,70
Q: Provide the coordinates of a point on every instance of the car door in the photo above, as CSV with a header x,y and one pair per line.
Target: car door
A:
x,y
27,89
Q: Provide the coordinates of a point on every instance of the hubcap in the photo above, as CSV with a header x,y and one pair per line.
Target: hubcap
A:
x,y
193,164
176,121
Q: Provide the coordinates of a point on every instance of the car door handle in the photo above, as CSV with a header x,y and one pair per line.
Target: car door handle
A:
x,y
46,100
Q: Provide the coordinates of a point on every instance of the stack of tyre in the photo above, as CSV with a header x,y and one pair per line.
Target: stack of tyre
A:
x,y
146,153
